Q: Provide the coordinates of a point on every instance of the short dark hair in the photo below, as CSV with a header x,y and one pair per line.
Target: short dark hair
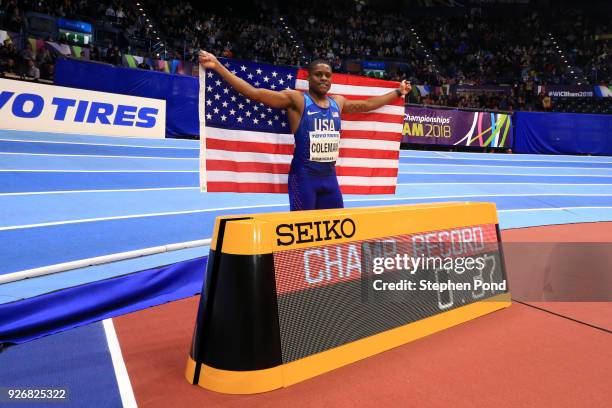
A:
x,y
316,62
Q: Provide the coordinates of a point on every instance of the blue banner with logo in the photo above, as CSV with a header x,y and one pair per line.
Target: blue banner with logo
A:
x,y
563,133
179,91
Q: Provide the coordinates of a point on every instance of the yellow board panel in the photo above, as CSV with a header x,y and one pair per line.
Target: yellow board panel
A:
x,y
249,382
258,234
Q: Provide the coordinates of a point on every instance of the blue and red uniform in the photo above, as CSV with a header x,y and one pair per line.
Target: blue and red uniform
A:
x,y
313,184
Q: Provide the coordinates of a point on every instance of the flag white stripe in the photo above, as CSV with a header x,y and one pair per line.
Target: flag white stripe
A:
x,y
214,154
249,136
243,177
390,110
372,126
366,181
367,163
369,144
302,85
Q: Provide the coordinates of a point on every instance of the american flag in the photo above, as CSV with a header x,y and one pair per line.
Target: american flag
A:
x,y
247,146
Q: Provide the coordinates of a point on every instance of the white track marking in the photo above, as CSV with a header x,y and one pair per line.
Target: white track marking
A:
x,y
123,379
97,144
125,217
99,155
503,166
95,171
505,174
127,190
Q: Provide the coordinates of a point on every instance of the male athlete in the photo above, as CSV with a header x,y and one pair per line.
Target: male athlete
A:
x,y
314,119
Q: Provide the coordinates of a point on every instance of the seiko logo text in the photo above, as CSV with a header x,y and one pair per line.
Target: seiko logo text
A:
x,y
304,232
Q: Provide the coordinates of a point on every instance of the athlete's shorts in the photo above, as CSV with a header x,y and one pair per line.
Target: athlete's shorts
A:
x,y
313,192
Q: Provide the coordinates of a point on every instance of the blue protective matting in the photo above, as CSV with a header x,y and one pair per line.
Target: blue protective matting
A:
x,y
86,372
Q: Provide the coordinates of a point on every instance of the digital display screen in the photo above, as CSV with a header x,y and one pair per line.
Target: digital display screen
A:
x,y
75,37
331,295
73,25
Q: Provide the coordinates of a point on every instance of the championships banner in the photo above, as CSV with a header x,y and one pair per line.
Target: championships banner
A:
x,y
454,127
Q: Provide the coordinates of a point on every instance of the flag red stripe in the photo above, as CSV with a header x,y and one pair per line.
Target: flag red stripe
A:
x,y
395,102
373,117
247,167
369,154
366,171
253,147
366,134
367,189
226,186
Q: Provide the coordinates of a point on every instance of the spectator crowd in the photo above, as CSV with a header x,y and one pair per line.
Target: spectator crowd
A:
x,y
474,45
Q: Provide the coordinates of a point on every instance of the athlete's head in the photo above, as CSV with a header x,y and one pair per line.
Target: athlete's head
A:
x,y
319,77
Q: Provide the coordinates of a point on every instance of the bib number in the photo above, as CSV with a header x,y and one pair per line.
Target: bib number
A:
x,y
324,146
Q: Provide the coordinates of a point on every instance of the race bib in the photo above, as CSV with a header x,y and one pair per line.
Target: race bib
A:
x,y
324,145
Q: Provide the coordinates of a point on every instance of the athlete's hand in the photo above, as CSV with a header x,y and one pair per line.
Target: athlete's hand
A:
x,y
208,60
405,87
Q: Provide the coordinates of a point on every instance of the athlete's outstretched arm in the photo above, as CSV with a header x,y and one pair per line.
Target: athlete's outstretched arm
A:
x,y
349,106
279,100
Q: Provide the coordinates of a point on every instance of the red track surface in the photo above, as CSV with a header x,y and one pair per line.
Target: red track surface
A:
x,y
520,356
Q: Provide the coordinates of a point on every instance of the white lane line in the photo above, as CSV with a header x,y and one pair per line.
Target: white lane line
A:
x,y
502,166
126,392
443,156
501,183
127,190
97,144
125,217
98,155
94,171
483,196
508,158
556,209
505,174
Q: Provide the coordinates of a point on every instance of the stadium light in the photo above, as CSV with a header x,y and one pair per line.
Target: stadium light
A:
x,y
158,38
281,19
141,9
150,26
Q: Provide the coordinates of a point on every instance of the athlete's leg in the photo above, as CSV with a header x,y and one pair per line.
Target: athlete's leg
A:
x,y
329,195
301,192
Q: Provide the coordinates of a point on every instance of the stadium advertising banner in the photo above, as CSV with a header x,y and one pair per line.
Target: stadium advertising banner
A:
x,y
454,127
576,91
48,108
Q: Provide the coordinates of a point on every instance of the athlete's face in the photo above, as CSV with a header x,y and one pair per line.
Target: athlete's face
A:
x,y
319,79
